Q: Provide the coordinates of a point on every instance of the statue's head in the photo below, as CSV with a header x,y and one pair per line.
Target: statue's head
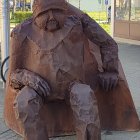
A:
x,y
49,14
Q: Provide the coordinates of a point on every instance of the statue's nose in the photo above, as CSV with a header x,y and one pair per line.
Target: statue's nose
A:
x,y
51,15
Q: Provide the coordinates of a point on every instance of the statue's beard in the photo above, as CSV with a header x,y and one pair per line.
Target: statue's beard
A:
x,y
52,25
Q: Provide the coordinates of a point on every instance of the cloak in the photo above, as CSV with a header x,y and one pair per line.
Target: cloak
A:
x,y
116,108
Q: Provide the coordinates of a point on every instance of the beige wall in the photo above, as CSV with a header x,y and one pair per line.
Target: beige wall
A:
x,y
122,26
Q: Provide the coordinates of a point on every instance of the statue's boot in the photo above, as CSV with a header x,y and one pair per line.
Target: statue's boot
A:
x,y
27,106
85,111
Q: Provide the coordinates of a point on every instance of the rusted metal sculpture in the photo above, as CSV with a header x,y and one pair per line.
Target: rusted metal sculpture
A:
x,y
55,69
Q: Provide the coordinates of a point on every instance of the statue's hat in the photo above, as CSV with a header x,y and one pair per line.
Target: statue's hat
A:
x,y
40,6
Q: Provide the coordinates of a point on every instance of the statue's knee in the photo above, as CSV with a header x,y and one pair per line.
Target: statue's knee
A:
x,y
84,105
81,94
27,104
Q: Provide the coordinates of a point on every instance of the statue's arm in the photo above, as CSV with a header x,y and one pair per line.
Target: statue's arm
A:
x,y
19,76
108,48
23,77
15,50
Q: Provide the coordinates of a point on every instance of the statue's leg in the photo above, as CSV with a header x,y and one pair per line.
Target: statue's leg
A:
x,y
85,111
27,107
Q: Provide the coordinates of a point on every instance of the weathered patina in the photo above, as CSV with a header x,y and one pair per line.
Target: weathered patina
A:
x,y
59,59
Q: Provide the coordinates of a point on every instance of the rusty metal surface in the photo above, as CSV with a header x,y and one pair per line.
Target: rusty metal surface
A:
x,y
129,55
59,51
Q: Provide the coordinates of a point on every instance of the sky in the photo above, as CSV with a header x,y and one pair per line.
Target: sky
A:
x,y
88,5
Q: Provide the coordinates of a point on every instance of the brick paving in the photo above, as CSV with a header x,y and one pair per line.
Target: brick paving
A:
x,y
130,58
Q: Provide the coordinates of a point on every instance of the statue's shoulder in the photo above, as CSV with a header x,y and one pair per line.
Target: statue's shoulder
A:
x,y
74,10
77,12
22,29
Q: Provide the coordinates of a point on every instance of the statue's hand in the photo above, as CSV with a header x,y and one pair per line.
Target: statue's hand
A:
x,y
17,85
108,80
23,77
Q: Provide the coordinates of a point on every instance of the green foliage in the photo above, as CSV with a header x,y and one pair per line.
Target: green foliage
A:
x,y
20,16
106,27
101,18
98,16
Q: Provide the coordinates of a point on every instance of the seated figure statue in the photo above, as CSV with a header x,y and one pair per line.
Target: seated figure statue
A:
x,y
51,60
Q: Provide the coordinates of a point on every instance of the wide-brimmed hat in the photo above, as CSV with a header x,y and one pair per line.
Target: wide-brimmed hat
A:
x,y
40,6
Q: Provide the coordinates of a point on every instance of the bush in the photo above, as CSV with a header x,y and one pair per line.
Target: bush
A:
x,y
98,16
19,17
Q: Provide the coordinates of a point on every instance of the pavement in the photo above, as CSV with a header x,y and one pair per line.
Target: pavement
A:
x,y
130,58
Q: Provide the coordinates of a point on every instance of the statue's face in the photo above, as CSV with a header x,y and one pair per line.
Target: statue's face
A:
x,y
51,20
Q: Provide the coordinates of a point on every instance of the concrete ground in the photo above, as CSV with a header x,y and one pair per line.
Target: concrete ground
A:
x,y
130,58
